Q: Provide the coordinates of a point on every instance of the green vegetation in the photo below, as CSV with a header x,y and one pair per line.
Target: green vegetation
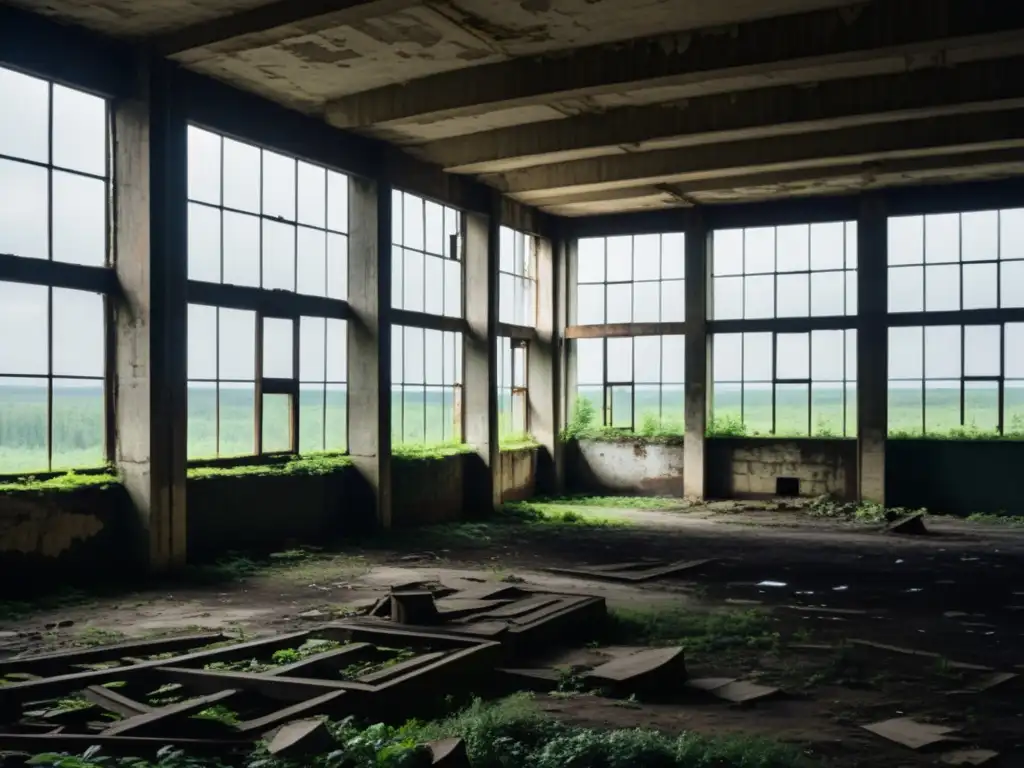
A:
x,y
517,441
1014,521
540,513
583,425
503,734
279,658
610,502
861,512
426,452
65,483
697,631
312,464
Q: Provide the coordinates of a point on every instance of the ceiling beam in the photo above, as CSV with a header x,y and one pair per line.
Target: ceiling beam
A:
x,y
971,132
876,37
217,35
979,86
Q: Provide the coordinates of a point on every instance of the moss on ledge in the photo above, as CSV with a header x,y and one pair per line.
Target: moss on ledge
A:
x,y
296,466
432,452
66,483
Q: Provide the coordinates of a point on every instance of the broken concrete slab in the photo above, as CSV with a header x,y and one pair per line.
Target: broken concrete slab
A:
x,y
969,757
449,753
300,738
413,607
730,689
911,733
910,525
632,574
654,670
988,682
920,654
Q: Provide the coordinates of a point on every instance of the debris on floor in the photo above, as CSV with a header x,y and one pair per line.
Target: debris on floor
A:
x,y
911,733
657,670
633,572
969,757
911,525
730,689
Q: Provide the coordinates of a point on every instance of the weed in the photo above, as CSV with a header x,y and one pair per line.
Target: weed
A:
x,y
582,425
613,502
310,464
428,452
66,483
695,630
999,518
726,426
91,636
517,442
539,513
220,713
861,512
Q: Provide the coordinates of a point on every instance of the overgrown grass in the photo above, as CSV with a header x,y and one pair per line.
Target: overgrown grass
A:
x,y
312,464
612,502
582,425
65,483
861,512
511,733
1015,521
427,452
697,631
517,442
967,433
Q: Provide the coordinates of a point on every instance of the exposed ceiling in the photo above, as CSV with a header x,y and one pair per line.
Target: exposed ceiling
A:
x,y
583,107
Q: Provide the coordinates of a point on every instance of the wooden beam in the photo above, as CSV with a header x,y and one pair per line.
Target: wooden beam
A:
x,y
113,701
425,320
151,723
329,703
607,330
518,332
278,688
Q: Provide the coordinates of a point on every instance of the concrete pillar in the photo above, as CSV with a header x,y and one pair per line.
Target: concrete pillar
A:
x,y
151,237
543,372
565,307
480,359
696,373
872,347
369,342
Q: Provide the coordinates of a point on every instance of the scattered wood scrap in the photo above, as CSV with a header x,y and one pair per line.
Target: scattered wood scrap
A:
x,y
969,757
633,572
449,753
910,525
300,738
732,690
653,670
911,733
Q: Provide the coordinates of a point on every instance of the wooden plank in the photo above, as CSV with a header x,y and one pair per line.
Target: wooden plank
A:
x,y
150,723
349,654
327,704
60,661
383,632
397,670
278,688
663,662
520,608
113,701
128,746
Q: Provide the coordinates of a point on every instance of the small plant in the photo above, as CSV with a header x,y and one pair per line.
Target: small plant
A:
x,y
582,419
727,425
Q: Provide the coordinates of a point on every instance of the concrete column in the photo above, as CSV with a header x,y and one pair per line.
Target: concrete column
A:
x,y
543,371
151,239
697,348
872,347
369,342
480,359
565,307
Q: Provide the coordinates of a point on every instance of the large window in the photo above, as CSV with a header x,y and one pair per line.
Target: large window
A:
x,y
631,279
636,383
426,256
517,281
54,205
785,383
956,261
957,380
265,375
426,399
793,271
512,391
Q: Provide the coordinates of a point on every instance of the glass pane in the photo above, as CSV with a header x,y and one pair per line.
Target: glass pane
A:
x,y
202,420
980,286
906,289
78,337
337,266
647,359
278,186
941,406
851,293
828,242
673,301
506,298
792,409
519,366
277,348
647,408
827,355
312,347
1011,233
24,210
980,234
1013,351
413,362
433,356
757,409
759,297
727,252
434,415
25,132
202,343
620,303
942,238
759,250
646,298
726,407
413,415
433,278
793,356
519,407
981,350
79,220
673,359
646,257
237,419
981,407
942,288
24,329
728,299
397,218
792,245
906,240
792,297
336,418
906,406
412,215
1012,284
727,356
312,195
452,288
827,293
203,167
312,262
851,245
757,357
673,256
276,420
621,400
337,202
241,249
78,432
413,290
590,361
434,235
278,256
79,131
506,249
241,178
851,354
827,410
337,350
237,339
449,342
23,433
203,243
851,410
311,418
942,352
620,259
620,359
590,260
1013,408
673,405
906,353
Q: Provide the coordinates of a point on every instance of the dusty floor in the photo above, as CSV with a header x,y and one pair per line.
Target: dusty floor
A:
x,y
957,592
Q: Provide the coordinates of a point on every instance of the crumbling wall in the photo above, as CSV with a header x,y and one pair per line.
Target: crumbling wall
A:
x,y
427,490
635,467
517,474
750,467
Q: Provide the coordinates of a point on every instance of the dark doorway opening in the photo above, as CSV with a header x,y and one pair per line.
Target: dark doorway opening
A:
x,y
787,486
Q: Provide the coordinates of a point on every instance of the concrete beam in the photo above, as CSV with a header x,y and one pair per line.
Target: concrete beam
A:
x,y
697,352
542,371
917,138
977,87
872,348
283,19
874,38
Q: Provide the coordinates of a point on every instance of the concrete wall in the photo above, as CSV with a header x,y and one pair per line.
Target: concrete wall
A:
x,y
430,490
517,474
628,467
54,535
956,476
748,467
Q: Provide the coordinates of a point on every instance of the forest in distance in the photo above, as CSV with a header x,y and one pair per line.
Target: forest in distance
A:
x,y
421,416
